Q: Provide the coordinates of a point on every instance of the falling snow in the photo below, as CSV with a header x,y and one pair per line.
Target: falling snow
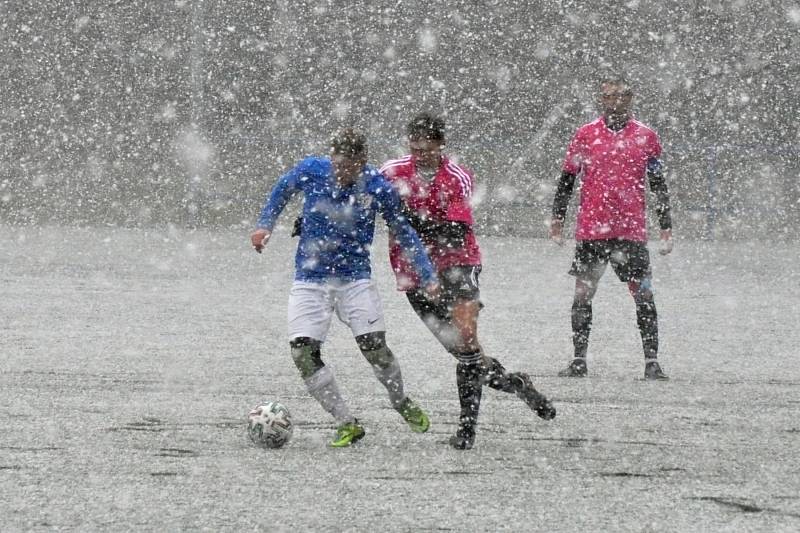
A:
x,y
137,142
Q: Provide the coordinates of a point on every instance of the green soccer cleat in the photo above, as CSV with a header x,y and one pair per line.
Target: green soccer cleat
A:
x,y
347,434
414,416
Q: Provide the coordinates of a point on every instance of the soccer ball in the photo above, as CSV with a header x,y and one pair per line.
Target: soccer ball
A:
x,y
270,425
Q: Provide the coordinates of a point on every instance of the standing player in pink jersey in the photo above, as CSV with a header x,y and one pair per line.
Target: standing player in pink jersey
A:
x,y
436,193
613,155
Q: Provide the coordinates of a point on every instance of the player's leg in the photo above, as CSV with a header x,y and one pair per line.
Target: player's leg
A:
x,y
387,370
495,375
587,267
461,284
635,270
469,383
463,288
469,370
310,311
359,306
647,320
436,316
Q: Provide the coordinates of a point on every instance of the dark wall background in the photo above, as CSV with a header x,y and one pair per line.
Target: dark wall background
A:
x,y
152,112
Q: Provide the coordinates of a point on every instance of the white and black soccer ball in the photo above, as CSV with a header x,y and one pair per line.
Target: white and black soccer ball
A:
x,y
269,425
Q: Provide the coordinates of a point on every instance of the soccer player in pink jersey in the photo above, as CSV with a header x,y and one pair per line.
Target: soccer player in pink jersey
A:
x,y
436,193
613,155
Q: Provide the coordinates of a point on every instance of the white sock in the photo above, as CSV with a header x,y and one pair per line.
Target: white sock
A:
x,y
392,379
322,386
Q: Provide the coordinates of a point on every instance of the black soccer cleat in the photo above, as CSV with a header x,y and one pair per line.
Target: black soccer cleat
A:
x,y
464,438
524,389
576,369
652,371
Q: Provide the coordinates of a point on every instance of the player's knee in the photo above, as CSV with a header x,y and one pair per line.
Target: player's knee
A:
x,y
580,301
373,347
467,334
306,355
641,290
585,290
371,341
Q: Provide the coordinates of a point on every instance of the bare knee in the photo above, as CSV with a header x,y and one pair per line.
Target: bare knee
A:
x,y
465,320
585,289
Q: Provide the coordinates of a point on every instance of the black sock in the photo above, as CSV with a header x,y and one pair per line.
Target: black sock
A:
x,y
647,320
496,376
468,379
581,327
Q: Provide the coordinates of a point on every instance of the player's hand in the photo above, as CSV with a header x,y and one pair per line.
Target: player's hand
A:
x,y
556,231
259,238
433,290
666,242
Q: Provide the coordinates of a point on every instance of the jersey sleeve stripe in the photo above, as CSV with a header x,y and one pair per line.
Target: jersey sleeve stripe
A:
x,y
395,163
463,178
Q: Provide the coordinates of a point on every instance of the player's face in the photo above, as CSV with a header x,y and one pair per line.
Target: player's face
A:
x,y
347,169
615,100
427,152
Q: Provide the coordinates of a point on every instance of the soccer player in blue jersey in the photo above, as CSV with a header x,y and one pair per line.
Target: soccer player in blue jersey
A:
x,y
342,195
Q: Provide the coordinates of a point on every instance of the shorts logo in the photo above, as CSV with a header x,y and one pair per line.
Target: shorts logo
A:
x,y
370,322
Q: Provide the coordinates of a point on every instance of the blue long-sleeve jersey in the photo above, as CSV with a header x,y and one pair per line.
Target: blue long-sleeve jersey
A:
x,y
339,222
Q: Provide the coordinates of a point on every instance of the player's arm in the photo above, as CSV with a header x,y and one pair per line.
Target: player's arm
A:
x,y
276,201
565,186
658,186
389,205
449,233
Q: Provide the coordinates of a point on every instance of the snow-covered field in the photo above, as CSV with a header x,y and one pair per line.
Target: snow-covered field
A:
x,y
130,359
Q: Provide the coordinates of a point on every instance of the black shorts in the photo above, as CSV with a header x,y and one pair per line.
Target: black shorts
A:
x,y
456,283
629,259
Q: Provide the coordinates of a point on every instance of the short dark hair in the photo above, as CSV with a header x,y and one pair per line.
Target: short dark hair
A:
x,y
350,143
426,126
618,81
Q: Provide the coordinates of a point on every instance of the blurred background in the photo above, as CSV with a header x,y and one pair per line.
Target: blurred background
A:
x,y
184,112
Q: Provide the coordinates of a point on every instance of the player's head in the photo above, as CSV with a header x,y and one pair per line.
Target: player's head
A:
x,y
426,139
348,154
616,96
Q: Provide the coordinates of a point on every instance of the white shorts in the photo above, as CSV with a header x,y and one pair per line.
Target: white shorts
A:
x,y
311,306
